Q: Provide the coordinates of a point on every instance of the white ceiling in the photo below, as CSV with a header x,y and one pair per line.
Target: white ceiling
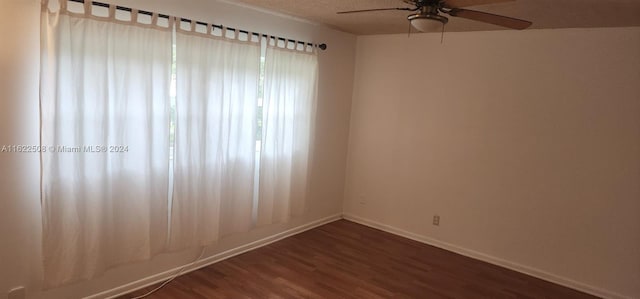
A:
x,y
543,14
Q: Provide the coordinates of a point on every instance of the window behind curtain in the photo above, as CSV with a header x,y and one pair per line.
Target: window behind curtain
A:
x,y
216,105
288,114
105,119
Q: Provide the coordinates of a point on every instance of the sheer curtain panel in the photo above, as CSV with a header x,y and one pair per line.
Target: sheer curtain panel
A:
x,y
289,114
216,103
105,124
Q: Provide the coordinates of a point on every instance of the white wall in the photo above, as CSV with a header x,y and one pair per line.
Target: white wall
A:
x,y
20,226
19,179
527,144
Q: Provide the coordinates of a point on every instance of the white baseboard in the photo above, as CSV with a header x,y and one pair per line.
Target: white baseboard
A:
x,y
160,277
489,259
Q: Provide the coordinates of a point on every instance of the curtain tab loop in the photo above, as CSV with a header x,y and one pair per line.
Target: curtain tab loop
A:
x,y
134,16
88,7
112,11
154,19
44,4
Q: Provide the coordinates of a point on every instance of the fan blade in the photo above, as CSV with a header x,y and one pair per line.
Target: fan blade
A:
x,y
465,3
503,21
375,9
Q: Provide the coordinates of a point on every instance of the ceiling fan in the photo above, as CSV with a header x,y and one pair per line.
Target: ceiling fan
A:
x,y
429,16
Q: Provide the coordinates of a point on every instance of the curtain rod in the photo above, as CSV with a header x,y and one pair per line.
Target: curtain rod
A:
x,y
144,12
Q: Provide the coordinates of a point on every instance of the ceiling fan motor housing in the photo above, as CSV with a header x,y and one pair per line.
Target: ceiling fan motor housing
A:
x,y
428,19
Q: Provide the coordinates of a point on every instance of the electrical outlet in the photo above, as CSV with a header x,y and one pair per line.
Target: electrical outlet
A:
x,y
436,220
362,200
17,293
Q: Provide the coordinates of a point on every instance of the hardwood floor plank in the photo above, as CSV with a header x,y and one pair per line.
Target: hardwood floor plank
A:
x,y
348,260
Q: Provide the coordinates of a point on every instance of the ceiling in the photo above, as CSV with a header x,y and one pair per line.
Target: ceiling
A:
x,y
543,13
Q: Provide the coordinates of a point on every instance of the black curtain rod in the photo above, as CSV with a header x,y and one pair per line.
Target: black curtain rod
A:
x,y
148,13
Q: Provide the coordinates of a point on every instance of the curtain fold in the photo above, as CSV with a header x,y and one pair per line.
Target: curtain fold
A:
x,y
288,115
216,103
104,119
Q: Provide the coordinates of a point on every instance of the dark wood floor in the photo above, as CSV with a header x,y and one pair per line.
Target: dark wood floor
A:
x,y
347,260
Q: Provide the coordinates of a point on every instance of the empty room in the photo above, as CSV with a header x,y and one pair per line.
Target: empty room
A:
x,y
319,149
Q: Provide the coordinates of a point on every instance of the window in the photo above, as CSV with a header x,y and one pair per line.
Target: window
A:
x,y
218,124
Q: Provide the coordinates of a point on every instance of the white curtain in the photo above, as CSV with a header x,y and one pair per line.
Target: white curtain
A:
x,y
288,114
104,87
217,91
